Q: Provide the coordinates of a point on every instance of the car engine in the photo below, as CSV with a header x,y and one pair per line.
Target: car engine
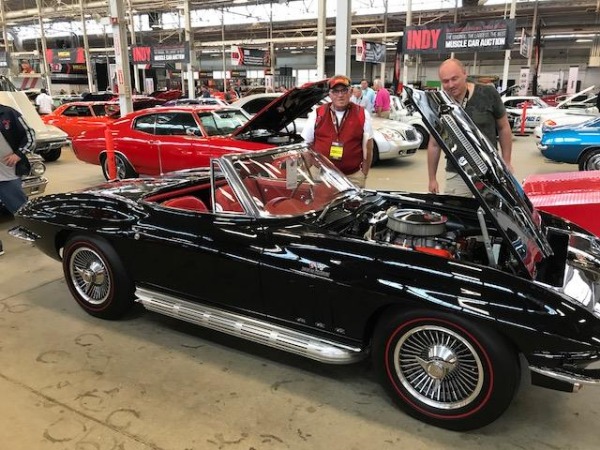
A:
x,y
422,231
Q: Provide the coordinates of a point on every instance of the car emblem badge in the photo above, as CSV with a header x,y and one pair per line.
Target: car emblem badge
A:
x,y
316,268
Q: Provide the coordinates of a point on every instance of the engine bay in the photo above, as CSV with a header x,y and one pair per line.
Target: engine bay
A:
x,y
433,233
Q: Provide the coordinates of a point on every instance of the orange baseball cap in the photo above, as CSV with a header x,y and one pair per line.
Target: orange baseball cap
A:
x,y
339,79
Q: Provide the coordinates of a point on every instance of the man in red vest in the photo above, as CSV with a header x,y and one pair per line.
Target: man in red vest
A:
x,y
341,130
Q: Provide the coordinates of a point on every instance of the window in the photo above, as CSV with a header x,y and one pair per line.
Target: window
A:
x,y
176,124
145,124
222,122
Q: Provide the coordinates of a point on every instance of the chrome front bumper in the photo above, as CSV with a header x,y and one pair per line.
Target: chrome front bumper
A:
x,y
23,233
34,185
42,146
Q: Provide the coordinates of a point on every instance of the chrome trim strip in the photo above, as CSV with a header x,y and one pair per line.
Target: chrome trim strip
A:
x,y
251,329
20,232
563,375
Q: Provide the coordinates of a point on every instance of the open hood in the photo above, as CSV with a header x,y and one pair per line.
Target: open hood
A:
x,y
575,95
501,197
285,109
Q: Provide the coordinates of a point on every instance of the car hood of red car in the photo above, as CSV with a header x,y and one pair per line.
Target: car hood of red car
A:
x,y
285,109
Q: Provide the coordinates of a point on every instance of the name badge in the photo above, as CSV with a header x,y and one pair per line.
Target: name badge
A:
x,y
336,151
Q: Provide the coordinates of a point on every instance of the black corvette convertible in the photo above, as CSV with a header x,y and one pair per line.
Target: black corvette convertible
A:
x,y
443,293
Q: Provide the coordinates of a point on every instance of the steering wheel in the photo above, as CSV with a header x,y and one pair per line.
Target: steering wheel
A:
x,y
285,206
311,192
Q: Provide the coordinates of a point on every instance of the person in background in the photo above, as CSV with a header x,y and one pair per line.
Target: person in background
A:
x,y
368,93
358,97
341,131
383,102
204,91
483,105
44,103
16,139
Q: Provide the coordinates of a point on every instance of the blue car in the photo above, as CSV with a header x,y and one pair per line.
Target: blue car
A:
x,y
574,144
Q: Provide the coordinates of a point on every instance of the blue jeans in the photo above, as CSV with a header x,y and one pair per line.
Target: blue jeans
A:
x,y
12,195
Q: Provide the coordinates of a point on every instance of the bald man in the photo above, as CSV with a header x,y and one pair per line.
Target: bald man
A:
x,y
483,105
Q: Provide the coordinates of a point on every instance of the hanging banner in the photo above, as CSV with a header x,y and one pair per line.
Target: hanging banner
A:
x,y
171,53
572,81
241,56
483,35
4,60
372,52
65,55
161,54
524,81
526,44
397,82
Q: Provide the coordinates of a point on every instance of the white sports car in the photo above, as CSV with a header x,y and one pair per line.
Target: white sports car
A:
x,y
538,111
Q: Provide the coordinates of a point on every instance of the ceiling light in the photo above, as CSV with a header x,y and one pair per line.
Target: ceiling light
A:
x,y
584,40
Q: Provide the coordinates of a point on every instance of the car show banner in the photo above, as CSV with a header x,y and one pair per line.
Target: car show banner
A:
x,y
572,80
65,55
483,35
161,54
524,80
242,56
372,52
4,60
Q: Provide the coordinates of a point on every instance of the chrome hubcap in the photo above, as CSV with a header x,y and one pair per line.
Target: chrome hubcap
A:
x,y
438,367
593,163
90,276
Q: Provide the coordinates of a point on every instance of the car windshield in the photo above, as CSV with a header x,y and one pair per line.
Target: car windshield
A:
x,y
283,182
222,122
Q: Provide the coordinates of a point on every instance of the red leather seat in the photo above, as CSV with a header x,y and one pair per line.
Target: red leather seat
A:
x,y
188,202
226,200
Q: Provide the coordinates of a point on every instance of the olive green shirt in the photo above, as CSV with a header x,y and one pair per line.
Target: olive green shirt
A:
x,y
484,107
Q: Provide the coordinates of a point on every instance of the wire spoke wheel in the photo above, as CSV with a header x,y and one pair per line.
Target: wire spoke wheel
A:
x,y
97,277
438,367
445,369
90,276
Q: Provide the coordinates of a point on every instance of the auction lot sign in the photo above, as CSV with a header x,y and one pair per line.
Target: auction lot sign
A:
x,y
488,35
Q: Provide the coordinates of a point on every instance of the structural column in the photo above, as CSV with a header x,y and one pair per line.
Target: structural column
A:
x,y
321,34
117,22
408,24
86,49
43,59
513,9
342,37
189,38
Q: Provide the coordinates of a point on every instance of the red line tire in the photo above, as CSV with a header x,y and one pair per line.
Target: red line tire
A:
x,y
97,278
445,370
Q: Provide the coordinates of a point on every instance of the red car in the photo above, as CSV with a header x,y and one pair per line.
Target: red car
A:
x,y
571,195
74,118
159,140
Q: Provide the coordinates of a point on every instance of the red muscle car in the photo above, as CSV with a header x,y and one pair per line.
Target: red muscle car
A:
x,y
160,140
74,118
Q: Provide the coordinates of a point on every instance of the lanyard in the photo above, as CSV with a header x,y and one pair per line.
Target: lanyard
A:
x,y
338,126
465,99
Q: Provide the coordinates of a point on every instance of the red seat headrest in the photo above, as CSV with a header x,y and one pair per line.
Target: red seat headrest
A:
x,y
188,202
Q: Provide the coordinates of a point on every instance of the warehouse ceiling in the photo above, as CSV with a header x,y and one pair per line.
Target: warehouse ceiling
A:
x,y
568,27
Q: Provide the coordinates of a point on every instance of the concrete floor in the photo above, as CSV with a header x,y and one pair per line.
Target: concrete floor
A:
x,y
69,381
